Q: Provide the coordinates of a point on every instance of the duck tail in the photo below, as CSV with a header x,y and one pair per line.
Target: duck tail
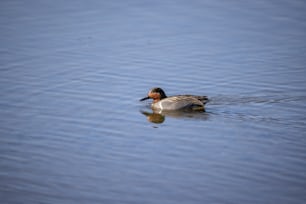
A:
x,y
203,99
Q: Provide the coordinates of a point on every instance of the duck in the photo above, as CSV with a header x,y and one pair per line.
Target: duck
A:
x,y
161,102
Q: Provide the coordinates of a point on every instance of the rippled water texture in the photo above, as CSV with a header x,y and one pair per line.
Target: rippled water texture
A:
x,y
72,129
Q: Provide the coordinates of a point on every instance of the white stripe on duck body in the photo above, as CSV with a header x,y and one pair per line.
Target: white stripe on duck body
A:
x,y
178,102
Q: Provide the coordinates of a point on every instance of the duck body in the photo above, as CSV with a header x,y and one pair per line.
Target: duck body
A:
x,y
179,102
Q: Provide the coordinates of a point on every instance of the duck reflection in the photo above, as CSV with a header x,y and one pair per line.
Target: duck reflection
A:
x,y
154,117
160,116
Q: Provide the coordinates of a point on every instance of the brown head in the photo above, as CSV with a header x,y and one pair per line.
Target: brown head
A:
x,y
156,94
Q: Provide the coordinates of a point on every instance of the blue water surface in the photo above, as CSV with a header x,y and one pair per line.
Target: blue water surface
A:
x,y
72,129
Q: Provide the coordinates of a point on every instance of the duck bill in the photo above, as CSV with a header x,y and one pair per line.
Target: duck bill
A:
x,y
145,98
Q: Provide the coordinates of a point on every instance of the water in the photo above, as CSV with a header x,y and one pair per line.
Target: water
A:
x,y
72,128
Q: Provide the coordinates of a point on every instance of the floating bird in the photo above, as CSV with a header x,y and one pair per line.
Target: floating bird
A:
x,y
179,102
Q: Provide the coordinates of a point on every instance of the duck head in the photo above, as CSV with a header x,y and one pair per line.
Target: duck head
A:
x,y
156,94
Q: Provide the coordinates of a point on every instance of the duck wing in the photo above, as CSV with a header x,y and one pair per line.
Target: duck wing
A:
x,y
203,99
181,102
